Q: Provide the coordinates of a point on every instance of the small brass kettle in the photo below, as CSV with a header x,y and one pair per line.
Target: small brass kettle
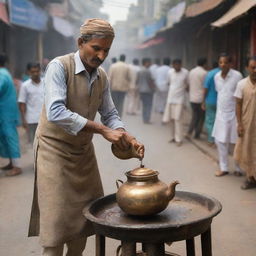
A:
x,y
143,193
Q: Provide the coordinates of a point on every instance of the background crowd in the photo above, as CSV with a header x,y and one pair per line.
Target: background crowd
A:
x,y
219,102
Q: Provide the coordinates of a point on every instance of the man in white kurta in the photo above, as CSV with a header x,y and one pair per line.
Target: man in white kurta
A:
x,y
177,80
224,130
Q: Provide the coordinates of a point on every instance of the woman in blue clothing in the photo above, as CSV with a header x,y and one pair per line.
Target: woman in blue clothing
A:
x,y
9,119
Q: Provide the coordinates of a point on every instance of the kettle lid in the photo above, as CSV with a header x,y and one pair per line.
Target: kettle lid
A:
x,y
142,172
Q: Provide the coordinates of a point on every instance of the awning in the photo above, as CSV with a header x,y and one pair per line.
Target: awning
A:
x,y
201,7
151,42
3,13
63,26
240,8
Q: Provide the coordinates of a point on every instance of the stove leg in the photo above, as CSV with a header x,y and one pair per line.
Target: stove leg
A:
x,y
100,245
206,243
128,248
190,244
155,249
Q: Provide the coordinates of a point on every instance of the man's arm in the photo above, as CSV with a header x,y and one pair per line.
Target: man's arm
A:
x,y
22,105
239,107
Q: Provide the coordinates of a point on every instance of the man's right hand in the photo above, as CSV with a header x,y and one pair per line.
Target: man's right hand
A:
x,y
116,137
25,125
240,130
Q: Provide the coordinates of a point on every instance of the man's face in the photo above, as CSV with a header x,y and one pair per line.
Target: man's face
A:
x,y
252,69
224,64
177,66
35,73
95,51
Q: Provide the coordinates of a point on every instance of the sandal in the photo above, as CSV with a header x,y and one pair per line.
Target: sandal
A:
x,y
248,185
13,172
220,173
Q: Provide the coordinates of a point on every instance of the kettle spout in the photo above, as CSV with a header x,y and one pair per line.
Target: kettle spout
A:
x,y
171,190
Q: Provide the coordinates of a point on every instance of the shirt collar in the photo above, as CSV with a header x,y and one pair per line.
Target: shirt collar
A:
x,y
79,66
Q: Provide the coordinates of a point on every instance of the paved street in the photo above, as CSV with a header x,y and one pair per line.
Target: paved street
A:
x,y
233,231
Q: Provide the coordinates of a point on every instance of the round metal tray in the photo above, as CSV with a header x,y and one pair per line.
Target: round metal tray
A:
x,y
187,215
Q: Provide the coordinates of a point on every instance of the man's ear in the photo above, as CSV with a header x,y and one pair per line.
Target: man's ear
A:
x,y
80,41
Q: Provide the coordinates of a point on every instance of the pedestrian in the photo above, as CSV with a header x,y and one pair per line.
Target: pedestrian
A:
x,y
224,129
210,102
133,97
178,84
245,149
30,100
153,68
67,179
146,88
119,77
161,82
9,120
196,96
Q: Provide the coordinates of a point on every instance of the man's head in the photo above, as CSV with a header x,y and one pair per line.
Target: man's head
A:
x,y
146,62
167,61
202,62
176,63
122,57
3,59
96,36
251,68
224,62
113,60
135,62
34,71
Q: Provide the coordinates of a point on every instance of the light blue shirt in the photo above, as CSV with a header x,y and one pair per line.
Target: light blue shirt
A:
x,y
56,98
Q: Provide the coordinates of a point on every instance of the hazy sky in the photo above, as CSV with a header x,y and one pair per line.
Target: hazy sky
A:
x,y
117,9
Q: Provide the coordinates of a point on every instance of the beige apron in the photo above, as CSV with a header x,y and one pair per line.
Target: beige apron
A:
x,y
66,172
245,150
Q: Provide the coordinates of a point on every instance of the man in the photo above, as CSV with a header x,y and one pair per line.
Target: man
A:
x,y
119,77
30,100
178,83
161,82
196,97
146,86
245,149
210,101
9,120
224,129
67,176
133,97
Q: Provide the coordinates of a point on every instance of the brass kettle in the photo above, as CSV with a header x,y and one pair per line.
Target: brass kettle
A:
x,y
143,193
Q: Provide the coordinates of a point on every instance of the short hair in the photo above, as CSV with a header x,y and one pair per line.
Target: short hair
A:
x,y
253,58
33,65
201,61
122,57
3,59
145,60
114,60
87,37
135,61
176,61
167,61
225,55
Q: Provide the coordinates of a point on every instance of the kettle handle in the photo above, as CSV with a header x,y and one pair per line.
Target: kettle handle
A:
x,y
117,184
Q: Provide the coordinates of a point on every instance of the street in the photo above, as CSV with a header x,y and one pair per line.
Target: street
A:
x,y
233,230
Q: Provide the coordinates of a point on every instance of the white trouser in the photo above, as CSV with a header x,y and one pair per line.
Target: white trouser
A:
x,y
223,150
16,162
75,248
176,130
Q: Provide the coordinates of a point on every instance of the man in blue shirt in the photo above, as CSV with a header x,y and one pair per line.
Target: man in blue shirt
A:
x,y
209,104
9,119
